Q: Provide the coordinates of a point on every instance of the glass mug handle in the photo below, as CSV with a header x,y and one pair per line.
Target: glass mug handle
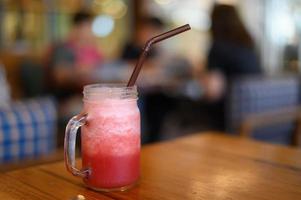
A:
x,y
69,145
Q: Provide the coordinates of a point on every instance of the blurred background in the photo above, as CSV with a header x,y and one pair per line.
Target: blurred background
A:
x,y
237,71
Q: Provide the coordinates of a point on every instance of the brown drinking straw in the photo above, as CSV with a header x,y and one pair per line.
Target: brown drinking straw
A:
x,y
147,47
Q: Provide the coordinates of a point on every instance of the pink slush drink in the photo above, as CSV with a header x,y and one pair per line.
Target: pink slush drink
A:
x,y
111,143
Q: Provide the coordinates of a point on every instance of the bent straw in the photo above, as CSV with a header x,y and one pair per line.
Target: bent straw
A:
x,y
147,47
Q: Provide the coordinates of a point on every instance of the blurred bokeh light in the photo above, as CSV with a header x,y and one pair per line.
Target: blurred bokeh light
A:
x,y
103,25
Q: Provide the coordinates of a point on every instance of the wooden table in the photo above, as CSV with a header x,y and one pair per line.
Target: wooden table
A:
x,y
200,166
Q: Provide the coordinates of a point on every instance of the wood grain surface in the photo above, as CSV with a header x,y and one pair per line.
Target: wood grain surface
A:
x,y
199,166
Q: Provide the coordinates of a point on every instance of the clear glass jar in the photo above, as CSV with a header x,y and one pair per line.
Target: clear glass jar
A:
x,y
110,137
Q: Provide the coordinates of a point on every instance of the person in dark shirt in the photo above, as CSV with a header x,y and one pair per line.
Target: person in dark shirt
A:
x,y
232,54
232,60
153,103
148,27
233,50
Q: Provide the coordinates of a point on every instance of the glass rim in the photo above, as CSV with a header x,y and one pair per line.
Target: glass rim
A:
x,y
110,90
112,86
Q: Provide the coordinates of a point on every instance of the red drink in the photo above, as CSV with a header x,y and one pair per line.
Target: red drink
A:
x,y
110,123
111,143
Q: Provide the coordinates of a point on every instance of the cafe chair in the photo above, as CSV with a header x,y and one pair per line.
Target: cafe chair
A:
x,y
255,121
264,108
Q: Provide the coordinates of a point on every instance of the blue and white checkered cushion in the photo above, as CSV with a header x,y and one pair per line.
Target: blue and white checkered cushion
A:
x,y
257,94
27,129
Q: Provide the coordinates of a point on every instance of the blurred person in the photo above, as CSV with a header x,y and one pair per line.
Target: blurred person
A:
x,y
154,104
159,67
147,28
71,64
232,54
73,61
233,50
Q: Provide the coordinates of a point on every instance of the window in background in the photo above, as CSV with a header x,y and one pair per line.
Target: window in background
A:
x,y
282,35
